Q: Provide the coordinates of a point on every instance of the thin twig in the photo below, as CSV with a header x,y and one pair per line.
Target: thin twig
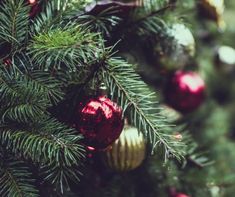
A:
x,y
154,13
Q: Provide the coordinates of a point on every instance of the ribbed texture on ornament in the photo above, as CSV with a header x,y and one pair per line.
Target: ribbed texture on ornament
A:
x,y
127,152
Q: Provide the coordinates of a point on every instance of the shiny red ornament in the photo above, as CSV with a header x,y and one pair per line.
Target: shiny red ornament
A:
x,y
100,121
185,91
180,195
32,1
35,7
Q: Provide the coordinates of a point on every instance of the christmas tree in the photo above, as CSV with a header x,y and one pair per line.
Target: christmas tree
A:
x,y
117,98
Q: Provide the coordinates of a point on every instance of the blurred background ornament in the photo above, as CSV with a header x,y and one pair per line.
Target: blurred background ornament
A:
x,y
181,47
213,9
185,91
225,58
127,152
174,193
35,7
180,195
184,38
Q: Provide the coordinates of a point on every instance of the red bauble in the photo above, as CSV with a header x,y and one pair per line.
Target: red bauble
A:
x,y
32,1
180,195
100,121
185,91
35,9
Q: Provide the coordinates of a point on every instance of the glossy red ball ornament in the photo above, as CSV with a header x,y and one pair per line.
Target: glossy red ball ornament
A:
x,y
180,195
100,121
35,7
185,91
32,1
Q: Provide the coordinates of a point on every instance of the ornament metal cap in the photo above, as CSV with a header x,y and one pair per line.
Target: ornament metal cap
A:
x,y
102,91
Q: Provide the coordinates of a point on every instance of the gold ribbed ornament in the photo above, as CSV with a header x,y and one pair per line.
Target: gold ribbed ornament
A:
x,y
127,152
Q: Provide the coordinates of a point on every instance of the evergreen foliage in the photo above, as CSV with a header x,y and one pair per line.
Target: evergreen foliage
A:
x,y
65,50
135,97
43,46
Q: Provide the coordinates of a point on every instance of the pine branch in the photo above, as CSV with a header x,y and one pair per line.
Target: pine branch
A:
x,y
16,180
61,175
152,7
199,160
25,99
21,70
156,12
51,142
131,92
103,22
150,26
14,22
50,18
57,13
51,87
66,48
23,112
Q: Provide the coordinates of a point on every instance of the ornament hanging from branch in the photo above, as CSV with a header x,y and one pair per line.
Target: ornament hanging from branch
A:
x,y
127,152
176,52
100,121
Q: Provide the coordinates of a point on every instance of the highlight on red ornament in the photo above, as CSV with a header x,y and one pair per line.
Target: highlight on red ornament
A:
x,y
100,121
173,193
32,1
35,9
180,195
185,91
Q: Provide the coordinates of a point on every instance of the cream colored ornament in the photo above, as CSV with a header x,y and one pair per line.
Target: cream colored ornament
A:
x,y
225,58
127,152
183,48
214,9
184,38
